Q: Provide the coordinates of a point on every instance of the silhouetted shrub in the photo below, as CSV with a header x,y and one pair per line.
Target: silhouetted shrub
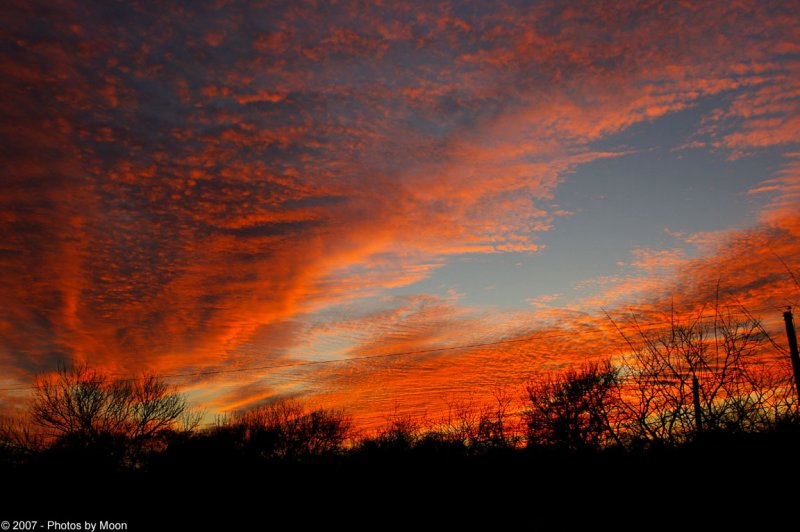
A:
x,y
575,408
94,417
286,429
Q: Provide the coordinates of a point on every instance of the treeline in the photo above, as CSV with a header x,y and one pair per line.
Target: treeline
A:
x,y
699,381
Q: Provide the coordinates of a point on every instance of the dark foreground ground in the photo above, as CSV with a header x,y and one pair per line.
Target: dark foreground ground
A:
x,y
735,481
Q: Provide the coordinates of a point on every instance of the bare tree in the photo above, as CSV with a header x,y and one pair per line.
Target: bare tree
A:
x,y
698,376
496,428
575,409
286,429
18,440
81,406
402,433
462,422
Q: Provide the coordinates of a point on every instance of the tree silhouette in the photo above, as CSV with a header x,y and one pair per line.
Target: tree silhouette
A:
x,y
286,429
701,376
19,441
574,409
79,407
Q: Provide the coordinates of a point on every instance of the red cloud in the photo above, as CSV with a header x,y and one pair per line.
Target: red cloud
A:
x,y
182,182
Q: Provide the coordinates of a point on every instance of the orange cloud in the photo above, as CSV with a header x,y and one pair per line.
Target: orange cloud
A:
x,y
184,184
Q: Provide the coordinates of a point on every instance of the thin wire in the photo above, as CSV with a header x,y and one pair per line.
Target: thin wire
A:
x,y
636,328
330,361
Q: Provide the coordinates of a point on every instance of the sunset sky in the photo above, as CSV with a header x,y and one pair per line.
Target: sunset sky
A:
x,y
223,192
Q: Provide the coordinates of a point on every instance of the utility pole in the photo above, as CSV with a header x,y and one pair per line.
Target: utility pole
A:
x,y
790,334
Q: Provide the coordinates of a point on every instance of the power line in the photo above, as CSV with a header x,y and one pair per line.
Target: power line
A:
x,y
329,361
636,328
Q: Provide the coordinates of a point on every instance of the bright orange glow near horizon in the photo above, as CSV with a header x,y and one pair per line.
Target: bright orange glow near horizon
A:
x,y
257,198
